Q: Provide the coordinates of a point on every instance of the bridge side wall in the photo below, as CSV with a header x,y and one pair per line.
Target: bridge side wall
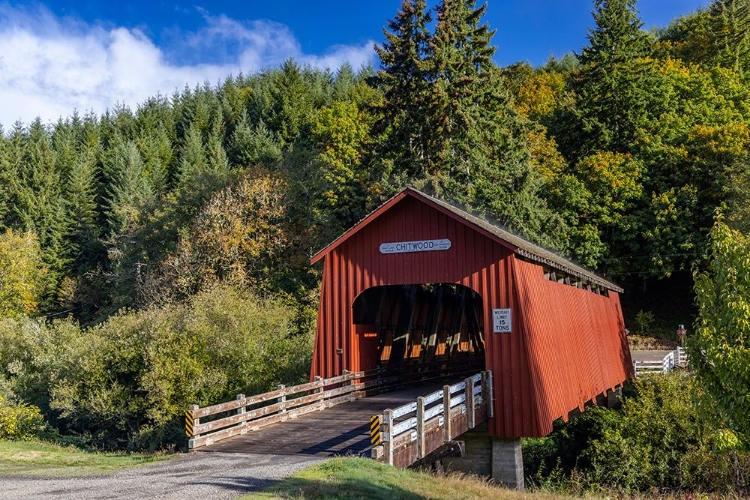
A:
x,y
576,343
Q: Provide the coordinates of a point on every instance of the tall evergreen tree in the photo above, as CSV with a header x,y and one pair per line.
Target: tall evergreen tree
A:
x,y
450,126
192,156
610,86
404,124
6,181
81,208
292,101
130,190
156,149
465,99
217,156
730,23
249,147
41,205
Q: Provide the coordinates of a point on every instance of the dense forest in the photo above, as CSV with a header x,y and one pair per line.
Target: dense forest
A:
x,y
619,157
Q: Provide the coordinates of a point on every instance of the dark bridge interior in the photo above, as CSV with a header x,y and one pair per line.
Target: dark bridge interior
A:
x,y
420,329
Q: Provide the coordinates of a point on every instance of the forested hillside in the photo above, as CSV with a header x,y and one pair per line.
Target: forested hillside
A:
x,y
617,156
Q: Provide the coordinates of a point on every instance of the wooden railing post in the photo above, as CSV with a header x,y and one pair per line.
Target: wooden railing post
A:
x,y
470,402
487,393
318,378
387,428
196,423
447,413
282,399
420,428
241,409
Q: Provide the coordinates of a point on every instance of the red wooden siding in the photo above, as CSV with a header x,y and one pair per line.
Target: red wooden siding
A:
x,y
567,344
576,344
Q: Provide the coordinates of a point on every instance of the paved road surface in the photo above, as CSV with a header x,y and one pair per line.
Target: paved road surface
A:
x,y
648,355
201,476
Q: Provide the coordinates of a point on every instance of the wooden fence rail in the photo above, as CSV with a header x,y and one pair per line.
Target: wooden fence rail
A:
x,y
246,414
414,430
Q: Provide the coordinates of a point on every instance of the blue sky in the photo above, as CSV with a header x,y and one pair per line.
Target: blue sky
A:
x,y
59,56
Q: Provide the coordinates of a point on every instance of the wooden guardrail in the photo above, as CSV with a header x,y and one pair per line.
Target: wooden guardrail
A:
x,y
211,424
673,359
411,432
246,414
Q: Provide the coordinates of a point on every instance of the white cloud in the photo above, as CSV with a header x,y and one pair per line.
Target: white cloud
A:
x,y
50,66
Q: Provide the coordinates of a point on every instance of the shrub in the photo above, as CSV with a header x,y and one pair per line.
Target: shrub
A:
x,y
657,440
127,382
644,320
19,421
720,348
22,278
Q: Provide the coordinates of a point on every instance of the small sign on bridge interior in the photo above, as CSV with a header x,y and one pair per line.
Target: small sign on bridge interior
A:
x,y
501,321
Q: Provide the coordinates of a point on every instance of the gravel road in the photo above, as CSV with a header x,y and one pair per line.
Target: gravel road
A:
x,y
195,475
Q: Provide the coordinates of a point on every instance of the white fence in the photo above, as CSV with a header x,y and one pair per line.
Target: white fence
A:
x,y
672,360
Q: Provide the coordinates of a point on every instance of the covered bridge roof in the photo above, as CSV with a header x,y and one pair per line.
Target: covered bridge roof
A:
x,y
517,244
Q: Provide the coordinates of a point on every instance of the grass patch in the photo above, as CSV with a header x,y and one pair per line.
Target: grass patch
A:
x,y
360,478
46,459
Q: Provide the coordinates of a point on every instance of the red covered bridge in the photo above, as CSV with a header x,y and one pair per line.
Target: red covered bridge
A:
x,y
420,280
425,293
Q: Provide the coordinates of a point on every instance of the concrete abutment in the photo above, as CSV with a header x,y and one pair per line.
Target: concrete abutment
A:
x,y
484,455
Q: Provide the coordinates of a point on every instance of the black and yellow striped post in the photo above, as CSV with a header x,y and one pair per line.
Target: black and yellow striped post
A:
x,y
375,437
189,424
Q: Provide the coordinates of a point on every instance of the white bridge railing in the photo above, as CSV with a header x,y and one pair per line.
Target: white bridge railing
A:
x,y
672,360
413,431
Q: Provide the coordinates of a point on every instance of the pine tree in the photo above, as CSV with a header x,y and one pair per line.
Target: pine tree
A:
x,y
81,208
730,21
250,147
156,149
447,125
129,190
14,157
465,98
6,181
41,206
610,86
192,156
218,164
344,82
404,124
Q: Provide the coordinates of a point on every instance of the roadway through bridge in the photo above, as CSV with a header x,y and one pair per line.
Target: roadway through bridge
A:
x,y
343,429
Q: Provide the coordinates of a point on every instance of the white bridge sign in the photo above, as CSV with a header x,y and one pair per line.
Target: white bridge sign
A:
x,y
415,246
501,322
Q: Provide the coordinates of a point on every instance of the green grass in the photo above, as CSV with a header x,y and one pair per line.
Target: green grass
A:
x,y
45,459
359,478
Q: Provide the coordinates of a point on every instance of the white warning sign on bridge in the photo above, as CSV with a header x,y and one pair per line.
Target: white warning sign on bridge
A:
x,y
501,321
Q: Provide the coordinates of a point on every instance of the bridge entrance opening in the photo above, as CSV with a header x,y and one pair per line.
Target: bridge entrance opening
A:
x,y
431,330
